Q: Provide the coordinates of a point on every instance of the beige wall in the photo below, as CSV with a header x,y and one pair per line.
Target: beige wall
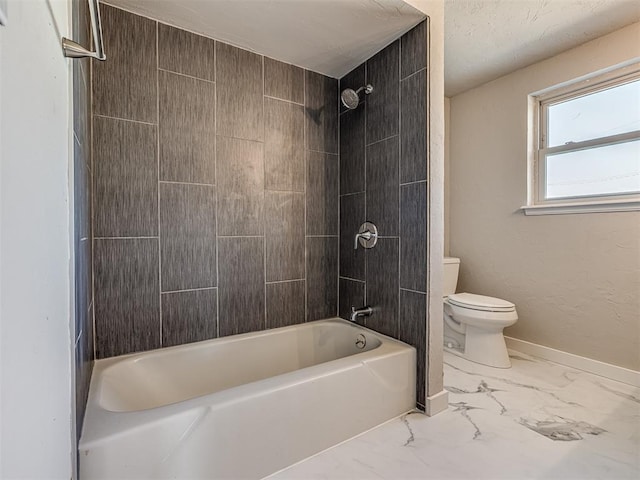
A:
x,y
575,279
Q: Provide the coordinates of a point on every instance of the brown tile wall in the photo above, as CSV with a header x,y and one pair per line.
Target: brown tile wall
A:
x,y
383,179
216,189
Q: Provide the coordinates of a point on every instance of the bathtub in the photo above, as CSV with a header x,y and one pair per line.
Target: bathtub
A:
x,y
243,406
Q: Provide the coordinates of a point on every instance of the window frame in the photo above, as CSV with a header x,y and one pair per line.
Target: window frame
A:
x,y
539,104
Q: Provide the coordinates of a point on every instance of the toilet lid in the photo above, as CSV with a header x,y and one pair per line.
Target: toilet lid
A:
x,y
480,302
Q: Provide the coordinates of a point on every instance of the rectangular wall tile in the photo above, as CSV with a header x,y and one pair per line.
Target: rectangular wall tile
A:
x,y
83,285
284,145
413,234
321,108
240,165
240,92
125,86
125,178
284,233
282,80
352,215
187,129
82,190
354,80
352,149
127,301
189,316
414,49
86,186
383,186
382,286
285,303
322,193
81,102
413,165
84,366
413,330
187,236
241,286
322,277
351,295
185,52
383,73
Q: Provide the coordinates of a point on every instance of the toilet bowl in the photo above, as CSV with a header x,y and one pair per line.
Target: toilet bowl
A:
x,y
473,324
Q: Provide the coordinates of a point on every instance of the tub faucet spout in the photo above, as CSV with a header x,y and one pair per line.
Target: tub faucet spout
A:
x,y
360,312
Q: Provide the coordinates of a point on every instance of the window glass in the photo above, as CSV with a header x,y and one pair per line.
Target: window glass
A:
x,y
611,169
600,114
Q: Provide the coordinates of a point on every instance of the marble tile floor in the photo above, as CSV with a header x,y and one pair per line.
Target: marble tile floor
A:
x,y
537,420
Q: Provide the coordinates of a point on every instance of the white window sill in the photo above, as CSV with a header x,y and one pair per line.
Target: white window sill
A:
x,y
585,206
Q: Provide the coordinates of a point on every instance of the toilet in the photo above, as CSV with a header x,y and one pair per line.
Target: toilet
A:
x,y
473,324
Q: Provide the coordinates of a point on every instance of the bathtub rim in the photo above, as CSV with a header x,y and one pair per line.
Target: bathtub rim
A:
x,y
102,425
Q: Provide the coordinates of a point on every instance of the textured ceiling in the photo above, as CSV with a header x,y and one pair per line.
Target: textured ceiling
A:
x,y
327,36
485,39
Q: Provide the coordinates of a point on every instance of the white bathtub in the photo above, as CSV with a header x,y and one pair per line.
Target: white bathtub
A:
x,y
243,406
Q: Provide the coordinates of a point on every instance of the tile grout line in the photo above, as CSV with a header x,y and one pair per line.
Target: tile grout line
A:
x,y
306,195
264,195
322,151
413,182
187,183
253,140
282,99
412,74
125,238
240,236
123,119
193,77
413,291
275,282
383,139
215,174
294,192
350,194
366,81
158,185
342,277
188,290
92,226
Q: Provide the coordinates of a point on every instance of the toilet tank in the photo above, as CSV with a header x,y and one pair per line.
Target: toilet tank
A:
x,y
451,267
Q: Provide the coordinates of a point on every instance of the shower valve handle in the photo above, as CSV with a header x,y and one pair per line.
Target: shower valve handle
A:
x,y
367,236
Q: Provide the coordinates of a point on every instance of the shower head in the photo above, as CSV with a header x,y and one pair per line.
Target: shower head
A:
x,y
351,98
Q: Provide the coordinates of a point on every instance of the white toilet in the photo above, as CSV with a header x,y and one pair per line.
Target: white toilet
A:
x,y
473,324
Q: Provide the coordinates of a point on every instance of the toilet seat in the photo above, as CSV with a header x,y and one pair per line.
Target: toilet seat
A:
x,y
480,303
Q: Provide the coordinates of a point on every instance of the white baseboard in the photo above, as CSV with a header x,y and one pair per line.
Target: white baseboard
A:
x,y
602,369
437,403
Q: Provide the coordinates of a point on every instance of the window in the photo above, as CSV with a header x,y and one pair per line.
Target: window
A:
x,y
587,152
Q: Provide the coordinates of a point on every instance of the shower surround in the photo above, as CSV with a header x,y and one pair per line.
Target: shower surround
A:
x,y
228,187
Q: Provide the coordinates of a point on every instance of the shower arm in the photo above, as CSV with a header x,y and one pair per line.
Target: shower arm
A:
x,y
73,49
